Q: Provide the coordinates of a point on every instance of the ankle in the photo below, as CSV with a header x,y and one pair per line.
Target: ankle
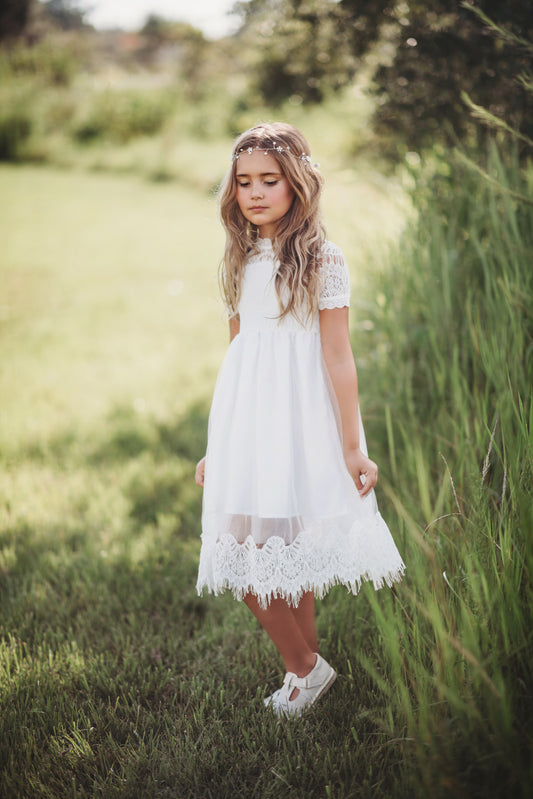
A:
x,y
306,665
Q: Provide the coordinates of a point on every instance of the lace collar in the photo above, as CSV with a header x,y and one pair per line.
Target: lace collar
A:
x,y
262,252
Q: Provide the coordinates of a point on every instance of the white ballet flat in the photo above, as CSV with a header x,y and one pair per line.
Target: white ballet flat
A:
x,y
311,688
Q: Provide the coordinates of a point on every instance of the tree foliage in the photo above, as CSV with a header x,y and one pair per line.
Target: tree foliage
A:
x,y
14,15
66,15
304,48
445,51
440,50
184,45
33,19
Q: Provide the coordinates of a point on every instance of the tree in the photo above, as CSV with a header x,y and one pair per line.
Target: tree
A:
x,y
441,50
303,48
444,52
14,16
65,14
184,44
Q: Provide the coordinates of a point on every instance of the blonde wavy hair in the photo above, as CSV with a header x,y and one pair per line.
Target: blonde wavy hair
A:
x,y
300,233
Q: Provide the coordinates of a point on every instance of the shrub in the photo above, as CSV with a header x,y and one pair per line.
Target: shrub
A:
x,y
121,116
51,62
15,129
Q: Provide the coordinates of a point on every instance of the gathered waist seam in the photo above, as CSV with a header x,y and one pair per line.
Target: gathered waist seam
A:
x,y
277,331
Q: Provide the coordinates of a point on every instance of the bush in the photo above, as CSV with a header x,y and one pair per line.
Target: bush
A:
x,y
15,130
121,116
51,62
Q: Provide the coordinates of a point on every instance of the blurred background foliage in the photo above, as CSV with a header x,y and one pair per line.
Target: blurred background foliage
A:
x,y
66,85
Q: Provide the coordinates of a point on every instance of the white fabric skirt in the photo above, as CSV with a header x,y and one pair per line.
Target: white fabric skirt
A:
x,y
281,514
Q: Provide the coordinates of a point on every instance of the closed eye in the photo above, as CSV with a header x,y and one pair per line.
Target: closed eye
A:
x,y
267,183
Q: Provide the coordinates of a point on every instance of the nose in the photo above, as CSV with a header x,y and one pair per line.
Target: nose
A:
x,y
256,190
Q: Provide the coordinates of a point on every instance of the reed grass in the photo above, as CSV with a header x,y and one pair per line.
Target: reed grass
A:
x,y
451,373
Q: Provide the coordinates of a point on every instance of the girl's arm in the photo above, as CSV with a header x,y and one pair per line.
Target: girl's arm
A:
x,y
234,327
337,351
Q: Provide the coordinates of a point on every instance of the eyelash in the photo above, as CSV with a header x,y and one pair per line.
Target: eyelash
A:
x,y
267,183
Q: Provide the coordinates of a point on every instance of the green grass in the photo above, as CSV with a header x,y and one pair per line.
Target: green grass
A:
x,y
115,678
104,289
454,317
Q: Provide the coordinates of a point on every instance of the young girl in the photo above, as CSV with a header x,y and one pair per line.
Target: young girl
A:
x,y
288,505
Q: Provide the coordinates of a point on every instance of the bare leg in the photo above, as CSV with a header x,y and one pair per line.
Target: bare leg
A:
x,y
305,619
292,630
281,625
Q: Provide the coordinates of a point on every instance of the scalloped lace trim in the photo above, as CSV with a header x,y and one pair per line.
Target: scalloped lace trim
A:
x,y
333,302
311,563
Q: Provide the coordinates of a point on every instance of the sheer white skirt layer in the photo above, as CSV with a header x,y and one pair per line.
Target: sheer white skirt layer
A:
x,y
281,514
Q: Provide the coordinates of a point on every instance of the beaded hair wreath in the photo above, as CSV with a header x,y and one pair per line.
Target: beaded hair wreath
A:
x,y
275,148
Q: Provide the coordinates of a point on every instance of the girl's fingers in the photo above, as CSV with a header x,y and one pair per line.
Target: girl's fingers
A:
x,y
364,472
358,482
371,478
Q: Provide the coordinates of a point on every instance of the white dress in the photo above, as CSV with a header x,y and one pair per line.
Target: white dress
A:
x,y
281,514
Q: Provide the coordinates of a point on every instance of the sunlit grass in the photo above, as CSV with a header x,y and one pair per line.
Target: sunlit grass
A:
x,y
109,297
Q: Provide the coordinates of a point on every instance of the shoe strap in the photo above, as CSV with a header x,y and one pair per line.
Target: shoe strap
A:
x,y
288,679
293,681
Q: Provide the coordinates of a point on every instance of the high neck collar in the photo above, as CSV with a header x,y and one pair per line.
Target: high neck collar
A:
x,y
264,244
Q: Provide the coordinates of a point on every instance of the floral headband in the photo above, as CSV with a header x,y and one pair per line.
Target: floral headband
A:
x,y
275,148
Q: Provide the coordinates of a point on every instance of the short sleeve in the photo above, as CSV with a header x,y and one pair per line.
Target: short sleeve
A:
x,y
335,290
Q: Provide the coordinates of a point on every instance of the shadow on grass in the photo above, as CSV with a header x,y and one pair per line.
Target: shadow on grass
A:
x,y
115,531
132,434
125,434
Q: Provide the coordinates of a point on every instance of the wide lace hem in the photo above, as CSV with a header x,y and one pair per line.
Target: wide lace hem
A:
x,y
311,563
293,597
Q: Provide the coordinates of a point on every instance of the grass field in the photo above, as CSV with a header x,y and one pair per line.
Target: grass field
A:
x,y
115,678
110,296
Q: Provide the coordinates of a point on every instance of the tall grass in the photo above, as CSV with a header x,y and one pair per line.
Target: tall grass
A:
x,y
450,377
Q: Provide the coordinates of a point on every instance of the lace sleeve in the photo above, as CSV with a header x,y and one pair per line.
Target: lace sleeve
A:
x,y
335,291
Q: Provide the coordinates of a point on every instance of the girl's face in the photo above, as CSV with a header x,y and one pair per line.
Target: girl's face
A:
x,y
264,194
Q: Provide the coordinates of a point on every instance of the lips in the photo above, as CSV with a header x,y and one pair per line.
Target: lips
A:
x,y
258,208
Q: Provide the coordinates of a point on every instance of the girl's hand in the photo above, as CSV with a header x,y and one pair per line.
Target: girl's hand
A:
x,y
200,473
364,472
